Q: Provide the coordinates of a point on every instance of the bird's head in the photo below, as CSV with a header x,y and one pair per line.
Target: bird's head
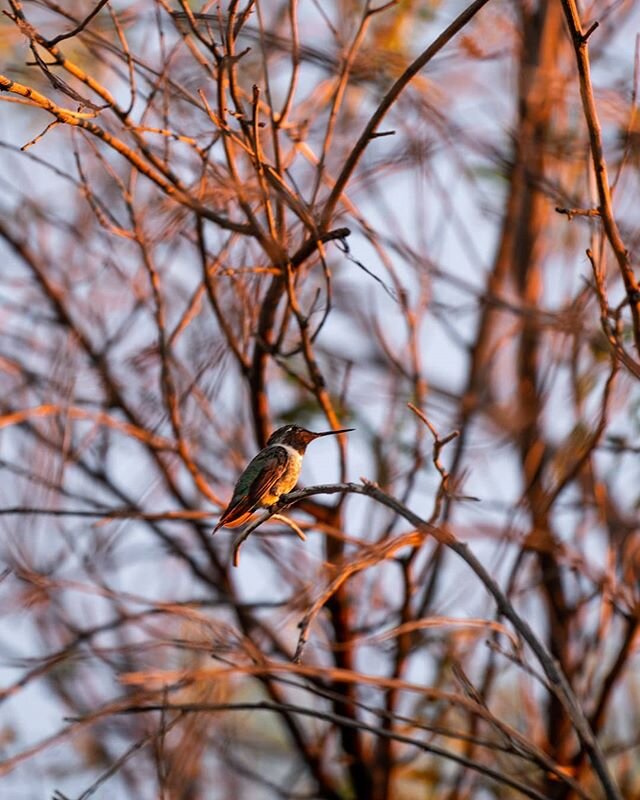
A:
x,y
298,437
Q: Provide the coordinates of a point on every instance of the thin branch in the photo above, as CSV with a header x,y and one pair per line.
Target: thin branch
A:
x,y
579,39
80,26
388,100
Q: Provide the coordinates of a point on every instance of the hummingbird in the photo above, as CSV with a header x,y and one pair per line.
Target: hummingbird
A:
x,y
274,471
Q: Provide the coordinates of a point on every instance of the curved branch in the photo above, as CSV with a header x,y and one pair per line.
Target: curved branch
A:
x,y
558,681
340,719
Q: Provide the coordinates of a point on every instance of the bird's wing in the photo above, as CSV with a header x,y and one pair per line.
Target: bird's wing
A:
x,y
260,475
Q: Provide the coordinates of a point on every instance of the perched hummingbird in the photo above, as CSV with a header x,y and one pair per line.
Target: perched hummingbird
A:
x,y
271,473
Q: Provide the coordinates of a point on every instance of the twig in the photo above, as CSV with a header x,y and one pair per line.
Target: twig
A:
x,y
578,212
612,232
438,444
270,514
80,27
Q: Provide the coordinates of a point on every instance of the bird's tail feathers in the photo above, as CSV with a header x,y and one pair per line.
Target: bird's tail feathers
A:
x,y
230,520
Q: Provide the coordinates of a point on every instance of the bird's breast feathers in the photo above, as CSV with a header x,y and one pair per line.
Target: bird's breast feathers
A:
x,y
288,479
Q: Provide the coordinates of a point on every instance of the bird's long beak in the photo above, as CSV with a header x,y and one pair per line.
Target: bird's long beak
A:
x,y
331,433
